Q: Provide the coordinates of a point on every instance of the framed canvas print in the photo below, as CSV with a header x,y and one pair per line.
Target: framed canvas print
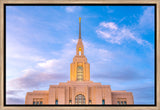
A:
x,y
79,54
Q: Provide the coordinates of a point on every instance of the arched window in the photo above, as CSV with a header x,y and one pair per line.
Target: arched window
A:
x,y
79,73
80,99
79,51
125,102
103,102
56,102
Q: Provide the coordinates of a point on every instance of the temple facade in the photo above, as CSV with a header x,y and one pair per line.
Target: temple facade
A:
x,y
79,90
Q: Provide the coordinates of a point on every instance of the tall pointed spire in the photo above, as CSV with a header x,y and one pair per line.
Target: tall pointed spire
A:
x,y
79,27
79,47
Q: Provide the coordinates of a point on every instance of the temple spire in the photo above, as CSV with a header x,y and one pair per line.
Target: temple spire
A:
x,y
79,27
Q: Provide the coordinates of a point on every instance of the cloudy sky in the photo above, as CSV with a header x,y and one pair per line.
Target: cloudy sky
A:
x,y
118,43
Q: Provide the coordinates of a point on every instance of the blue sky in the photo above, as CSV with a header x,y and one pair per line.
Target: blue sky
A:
x,y
118,43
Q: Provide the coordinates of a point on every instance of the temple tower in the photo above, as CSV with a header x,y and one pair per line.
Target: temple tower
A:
x,y
80,68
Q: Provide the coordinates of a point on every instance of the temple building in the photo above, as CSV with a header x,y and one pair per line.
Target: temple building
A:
x,y
79,90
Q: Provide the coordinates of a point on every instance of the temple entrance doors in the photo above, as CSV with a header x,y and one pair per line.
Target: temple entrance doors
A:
x,y
80,99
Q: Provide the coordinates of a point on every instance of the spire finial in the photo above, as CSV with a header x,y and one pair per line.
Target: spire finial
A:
x,y
79,27
79,19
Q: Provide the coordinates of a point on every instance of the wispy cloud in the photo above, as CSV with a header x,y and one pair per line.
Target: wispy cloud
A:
x,y
109,10
15,96
147,18
109,25
51,65
72,9
121,75
113,33
15,101
145,94
46,70
54,68
13,92
35,79
117,34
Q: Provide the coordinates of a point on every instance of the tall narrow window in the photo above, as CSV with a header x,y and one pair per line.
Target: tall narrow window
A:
x,y
121,102
34,103
56,102
37,103
79,73
103,102
118,102
90,102
41,102
70,101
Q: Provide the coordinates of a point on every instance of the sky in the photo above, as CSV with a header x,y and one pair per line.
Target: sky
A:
x,y
118,43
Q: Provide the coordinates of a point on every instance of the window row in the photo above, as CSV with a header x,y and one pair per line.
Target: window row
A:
x,y
37,103
77,101
80,100
121,102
